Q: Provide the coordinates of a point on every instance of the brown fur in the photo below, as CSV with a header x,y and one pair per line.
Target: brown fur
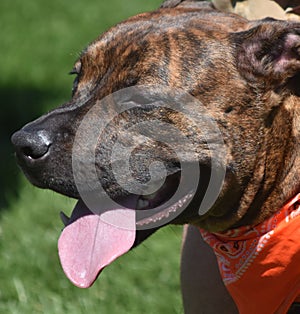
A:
x,y
232,66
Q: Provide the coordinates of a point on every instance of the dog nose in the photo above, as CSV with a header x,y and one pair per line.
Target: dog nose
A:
x,y
31,145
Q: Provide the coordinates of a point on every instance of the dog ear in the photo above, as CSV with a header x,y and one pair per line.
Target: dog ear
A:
x,y
270,51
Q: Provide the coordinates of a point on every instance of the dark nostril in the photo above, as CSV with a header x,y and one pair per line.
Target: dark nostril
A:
x,y
34,152
31,145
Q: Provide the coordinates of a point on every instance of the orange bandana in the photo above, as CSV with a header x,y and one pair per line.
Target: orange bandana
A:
x,y
260,265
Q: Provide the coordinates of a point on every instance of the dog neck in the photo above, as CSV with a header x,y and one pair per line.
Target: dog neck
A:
x,y
276,176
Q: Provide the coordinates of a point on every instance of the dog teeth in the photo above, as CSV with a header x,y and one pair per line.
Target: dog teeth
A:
x,y
165,213
142,203
65,219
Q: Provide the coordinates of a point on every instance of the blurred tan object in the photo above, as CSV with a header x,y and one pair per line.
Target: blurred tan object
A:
x,y
258,9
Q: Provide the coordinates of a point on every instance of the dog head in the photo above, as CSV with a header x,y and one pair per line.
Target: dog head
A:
x,y
243,76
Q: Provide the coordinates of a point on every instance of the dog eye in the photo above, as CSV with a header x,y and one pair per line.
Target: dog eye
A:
x,y
73,72
75,85
76,69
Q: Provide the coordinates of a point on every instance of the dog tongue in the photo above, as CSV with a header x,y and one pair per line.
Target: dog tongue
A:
x,y
91,242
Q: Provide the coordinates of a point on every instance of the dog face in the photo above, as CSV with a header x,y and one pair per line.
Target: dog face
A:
x,y
246,76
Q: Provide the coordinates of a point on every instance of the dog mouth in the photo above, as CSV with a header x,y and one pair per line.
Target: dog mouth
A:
x,y
91,241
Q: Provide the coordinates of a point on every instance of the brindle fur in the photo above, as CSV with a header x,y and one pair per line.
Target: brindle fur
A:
x,y
246,74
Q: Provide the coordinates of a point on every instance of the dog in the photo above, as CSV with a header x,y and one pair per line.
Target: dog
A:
x,y
245,74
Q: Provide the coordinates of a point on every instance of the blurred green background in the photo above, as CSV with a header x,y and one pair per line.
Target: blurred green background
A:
x,y
40,40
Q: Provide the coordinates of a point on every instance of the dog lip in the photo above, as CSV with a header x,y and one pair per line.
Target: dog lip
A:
x,y
150,208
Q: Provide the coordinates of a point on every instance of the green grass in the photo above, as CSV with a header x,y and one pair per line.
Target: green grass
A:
x,y
40,40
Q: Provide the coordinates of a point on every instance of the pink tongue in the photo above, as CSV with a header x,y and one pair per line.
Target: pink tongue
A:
x,y
92,242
